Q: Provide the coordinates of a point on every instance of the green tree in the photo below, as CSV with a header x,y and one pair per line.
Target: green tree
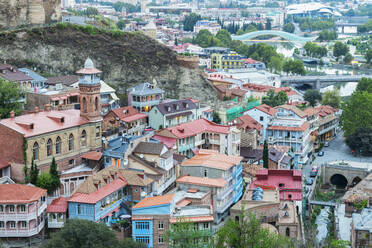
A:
x,y
203,38
183,234
34,172
340,49
45,181
335,243
365,84
326,35
10,95
361,141
247,232
294,66
276,64
91,11
332,98
289,27
273,99
268,24
130,243
348,58
368,56
216,118
190,21
312,96
83,234
54,175
225,37
356,112
265,155
26,174
121,24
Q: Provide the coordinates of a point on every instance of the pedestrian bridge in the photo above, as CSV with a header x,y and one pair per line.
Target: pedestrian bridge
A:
x,y
322,203
285,35
322,81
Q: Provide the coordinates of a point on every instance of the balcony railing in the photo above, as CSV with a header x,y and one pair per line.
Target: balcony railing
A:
x,y
56,224
224,206
22,232
225,193
136,129
14,216
165,185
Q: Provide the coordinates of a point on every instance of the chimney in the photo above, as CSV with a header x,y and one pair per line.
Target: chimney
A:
x,y
12,114
47,107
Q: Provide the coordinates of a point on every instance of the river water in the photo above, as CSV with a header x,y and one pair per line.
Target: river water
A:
x,y
322,222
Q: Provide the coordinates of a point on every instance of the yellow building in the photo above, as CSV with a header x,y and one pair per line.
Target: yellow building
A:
x,y
226,61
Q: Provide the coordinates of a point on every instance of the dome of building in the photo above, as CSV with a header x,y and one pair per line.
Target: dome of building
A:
x,y
88,64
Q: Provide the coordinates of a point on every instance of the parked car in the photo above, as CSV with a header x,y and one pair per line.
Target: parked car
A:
x,y
313,173
326,144
309,181
321,153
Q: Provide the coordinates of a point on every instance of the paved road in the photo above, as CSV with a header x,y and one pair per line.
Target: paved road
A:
x,y
337,150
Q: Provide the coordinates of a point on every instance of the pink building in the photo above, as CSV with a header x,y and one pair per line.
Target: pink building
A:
x,y
22,210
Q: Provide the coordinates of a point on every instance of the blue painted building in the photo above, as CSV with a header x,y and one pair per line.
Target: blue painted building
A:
x,y
106,195
37,80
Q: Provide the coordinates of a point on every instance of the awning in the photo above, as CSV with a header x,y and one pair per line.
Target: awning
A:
x,y
114,96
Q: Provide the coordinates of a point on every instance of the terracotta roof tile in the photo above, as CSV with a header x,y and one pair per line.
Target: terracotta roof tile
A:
x,y
19,193
202,181
154,201
128,114
303,127
246,121
266,109
93,155
211,159
44,122
58,205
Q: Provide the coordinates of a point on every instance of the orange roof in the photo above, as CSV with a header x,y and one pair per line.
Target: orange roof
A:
x,y
99,194
93,155
310,111
202,181
213,159
195,127
193,219
266,109
19,193
303,127
58,205
88,71
183,202
154,201
44,122
246,121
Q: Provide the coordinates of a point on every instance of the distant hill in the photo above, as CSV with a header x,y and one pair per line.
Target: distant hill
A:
x,y
126,58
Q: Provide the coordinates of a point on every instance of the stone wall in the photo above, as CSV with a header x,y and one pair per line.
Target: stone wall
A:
x,y
25,12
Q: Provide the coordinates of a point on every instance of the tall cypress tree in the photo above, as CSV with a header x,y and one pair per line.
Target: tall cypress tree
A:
x,y
25,171
34,172
265,156
54,173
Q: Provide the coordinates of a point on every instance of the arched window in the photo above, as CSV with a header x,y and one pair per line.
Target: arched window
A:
x,y
71,142
58,145
84,105
49,147
96,104
83,138
287,232
35,151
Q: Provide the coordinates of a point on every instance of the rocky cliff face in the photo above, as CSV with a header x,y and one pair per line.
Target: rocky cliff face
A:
x,y
24,12
126,59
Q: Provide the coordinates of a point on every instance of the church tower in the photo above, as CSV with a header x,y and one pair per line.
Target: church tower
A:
x,y
89,89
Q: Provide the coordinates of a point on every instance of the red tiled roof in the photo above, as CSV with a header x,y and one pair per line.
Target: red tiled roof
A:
x,y
58,205
154,201
303,127
193,219
290,181
4,164
128,114
167,141
19,193
44,122
246,121
93,155
325,110
195,127
183,202
99,194
202,181
266,109
258,87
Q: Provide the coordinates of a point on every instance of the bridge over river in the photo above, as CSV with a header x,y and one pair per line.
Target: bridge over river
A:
x,y
321,81
285,35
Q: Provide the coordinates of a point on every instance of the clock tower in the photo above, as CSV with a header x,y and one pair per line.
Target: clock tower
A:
x,y
89,89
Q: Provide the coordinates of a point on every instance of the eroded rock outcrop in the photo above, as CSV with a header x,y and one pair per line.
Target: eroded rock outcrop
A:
x,y
15,13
